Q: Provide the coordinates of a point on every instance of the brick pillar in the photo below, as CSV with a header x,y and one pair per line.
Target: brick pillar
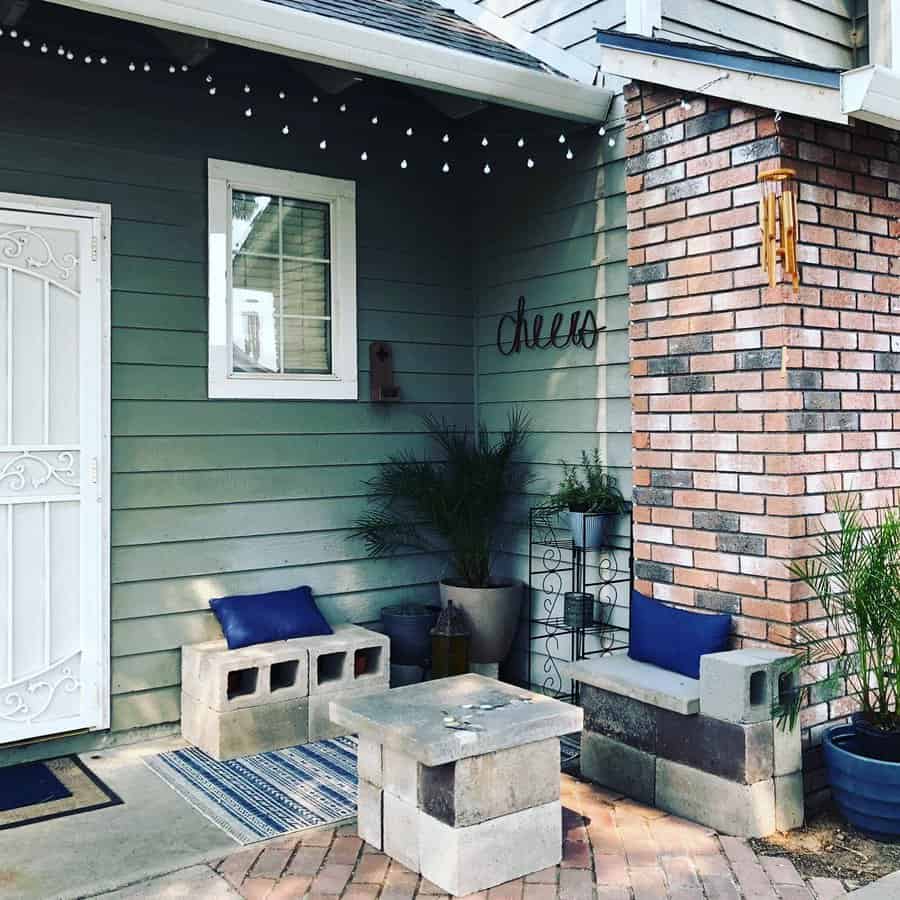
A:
x,y
755,409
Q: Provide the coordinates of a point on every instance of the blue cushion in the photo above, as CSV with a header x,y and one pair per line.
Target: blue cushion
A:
x,y
259,618
674,639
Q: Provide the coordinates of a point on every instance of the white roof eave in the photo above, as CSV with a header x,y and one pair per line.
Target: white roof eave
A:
x,y
295,33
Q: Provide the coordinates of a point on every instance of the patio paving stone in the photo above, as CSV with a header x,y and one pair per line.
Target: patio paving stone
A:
x,y
615,849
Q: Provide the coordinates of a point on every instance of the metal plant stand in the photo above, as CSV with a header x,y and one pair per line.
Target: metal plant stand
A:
x,y
556,565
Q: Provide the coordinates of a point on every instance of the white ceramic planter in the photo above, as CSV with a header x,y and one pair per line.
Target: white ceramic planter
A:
x,y
589,530
492,614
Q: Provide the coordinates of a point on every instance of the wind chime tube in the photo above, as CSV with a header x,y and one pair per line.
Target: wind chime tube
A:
x,y
771,237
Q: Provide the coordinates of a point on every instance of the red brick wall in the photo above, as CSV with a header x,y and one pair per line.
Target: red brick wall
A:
x,y
756,409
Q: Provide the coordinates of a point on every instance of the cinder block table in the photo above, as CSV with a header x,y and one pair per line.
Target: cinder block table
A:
x,y
468,807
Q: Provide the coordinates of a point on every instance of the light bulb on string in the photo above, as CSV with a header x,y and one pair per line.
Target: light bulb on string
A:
x,y
323,145
315,99
612,142
569,153
88,59
103,60
131,67
374,120
146,67
172,70
364,156
248,111
403,164
26,43
246,88
530,163
409,132
520,143
60,50
44,48
445,168
487,169
184,68
14,34
342,107
561,139
285,129
70,55
684,104
484,142
445,139
208,79
601,130
212,91
282,95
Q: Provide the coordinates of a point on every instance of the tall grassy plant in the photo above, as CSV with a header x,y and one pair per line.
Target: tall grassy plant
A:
x,y
454,504
855,577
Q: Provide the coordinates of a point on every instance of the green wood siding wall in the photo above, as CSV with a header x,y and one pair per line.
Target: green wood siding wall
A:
x,y
816,32
561,242
213,497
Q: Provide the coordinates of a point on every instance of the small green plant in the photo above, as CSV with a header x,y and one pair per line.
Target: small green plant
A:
x,y
855,577
588,487
454,504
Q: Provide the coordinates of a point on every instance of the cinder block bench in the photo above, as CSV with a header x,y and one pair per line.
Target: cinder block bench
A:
x,y
706,749
269,696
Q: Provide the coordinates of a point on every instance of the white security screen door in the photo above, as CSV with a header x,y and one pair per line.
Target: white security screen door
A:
x,y
53,607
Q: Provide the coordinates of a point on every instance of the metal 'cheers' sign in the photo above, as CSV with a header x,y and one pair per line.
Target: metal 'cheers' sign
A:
x,y
513,332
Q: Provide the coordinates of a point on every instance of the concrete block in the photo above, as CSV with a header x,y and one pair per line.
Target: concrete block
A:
x,y
411,719
400,829
369,814
741,685
742,753
368,761
479,788
401,775
224,679
351,657
321,726
489,670
243,732
619,717
617,766
467,860
789,801
788,749
650,684
742,810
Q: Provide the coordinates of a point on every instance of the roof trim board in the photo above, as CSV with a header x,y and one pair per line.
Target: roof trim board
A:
x,y
299,34
872,93
773,84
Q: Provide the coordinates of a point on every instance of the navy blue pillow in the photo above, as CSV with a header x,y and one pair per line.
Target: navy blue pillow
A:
x,y
674,639
259,618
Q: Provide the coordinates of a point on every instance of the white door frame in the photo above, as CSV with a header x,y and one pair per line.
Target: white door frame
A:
x,y
101,215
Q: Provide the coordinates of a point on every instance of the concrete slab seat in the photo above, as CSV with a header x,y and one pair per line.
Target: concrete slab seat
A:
x,y
706,749
270,696
467,808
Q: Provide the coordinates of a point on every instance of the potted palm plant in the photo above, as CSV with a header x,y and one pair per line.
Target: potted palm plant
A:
x,y
855,578
455,505
591,497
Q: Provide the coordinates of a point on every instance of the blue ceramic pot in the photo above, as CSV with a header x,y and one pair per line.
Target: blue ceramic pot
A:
x,y
866,790
409,628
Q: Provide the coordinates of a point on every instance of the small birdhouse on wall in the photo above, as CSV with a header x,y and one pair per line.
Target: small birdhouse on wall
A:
x,y
778,224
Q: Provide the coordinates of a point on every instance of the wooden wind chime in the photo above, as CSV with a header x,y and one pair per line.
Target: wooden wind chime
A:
x,y
778,224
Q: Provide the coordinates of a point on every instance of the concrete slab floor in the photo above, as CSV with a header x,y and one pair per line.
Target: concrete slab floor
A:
x,y
152,833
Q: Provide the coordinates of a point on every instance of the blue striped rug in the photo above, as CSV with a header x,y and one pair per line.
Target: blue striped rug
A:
x,y
259,797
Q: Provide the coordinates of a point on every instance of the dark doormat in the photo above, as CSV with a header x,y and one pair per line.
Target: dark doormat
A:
x,y
36,792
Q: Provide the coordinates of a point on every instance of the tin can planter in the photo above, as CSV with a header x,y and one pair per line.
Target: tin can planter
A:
x,y
589,530
866,790
578,609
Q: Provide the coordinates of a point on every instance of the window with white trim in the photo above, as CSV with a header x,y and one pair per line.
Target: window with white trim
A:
x,y
282,284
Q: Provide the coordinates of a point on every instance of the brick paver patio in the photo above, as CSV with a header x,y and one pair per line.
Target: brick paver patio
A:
x,y
615,849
